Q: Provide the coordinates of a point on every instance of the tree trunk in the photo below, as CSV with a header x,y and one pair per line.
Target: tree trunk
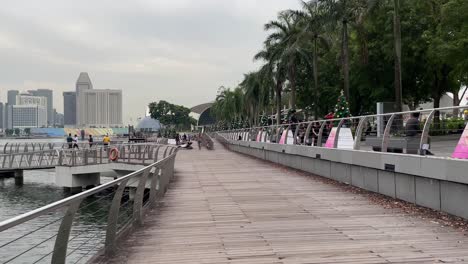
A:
x,y
457,100
315,70
345,52
397,49
292,80
278,101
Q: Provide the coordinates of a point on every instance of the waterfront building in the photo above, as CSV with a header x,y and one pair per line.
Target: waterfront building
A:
x,y
2,117
11,100
28,116
95,107
103,108
83,84
58,119
27,99
69,108
50,103
12,97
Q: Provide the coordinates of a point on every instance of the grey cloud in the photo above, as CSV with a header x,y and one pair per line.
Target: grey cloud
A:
x,y
181,50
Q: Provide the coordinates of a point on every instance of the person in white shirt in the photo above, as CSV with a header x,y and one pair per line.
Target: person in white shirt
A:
x,y
75,142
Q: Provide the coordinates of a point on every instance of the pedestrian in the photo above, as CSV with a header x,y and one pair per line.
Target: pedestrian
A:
x,y
70,141
177,139
90,140
184,138
199,141
106,141
75,142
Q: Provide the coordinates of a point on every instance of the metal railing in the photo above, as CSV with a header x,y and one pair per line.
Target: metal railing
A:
x,y
19,147
53,232
207,141
434,131
143,153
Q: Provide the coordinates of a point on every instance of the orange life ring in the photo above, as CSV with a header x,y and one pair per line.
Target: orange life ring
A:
x,y
114,154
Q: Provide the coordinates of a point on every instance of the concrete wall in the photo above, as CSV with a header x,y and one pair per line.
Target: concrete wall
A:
x,y
433,182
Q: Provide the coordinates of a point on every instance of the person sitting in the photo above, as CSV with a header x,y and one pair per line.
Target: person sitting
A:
x,y
413,131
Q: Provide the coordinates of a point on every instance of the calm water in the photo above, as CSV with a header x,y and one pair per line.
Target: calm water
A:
x,y
39,189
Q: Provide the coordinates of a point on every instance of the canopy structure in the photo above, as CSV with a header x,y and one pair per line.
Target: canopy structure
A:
x,y
202,113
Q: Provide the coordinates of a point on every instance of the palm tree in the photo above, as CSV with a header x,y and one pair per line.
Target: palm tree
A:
x,y
397,49
314,27
285,47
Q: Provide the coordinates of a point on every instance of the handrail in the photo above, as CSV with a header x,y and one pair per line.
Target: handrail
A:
x,y
158,172
273,133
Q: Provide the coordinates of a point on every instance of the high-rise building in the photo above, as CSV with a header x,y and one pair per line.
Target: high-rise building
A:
x,y
29,111
69,108
103,108
50,103
83,84
11,100
12,97
2,117
27,99
28,116
58,119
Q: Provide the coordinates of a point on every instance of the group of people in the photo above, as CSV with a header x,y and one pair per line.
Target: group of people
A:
x,y
187,139
73,141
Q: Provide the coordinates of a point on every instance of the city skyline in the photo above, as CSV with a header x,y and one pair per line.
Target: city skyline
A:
x,y
143,48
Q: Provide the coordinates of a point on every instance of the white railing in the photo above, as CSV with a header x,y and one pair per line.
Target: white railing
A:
x,y
439,132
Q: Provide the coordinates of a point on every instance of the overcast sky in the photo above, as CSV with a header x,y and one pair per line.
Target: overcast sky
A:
x,y
175,50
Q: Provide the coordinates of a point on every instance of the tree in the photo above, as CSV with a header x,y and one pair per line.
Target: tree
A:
x,y
27,131
175,116
17,131
342,107
397,49
314,27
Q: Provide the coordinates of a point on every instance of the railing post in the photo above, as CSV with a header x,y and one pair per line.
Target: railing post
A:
x,y
386,134
319,138
138,202
154,184
337,133
61,242
360,128
425,132
112,219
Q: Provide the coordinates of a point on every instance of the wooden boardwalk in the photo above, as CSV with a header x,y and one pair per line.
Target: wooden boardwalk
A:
x,y
227,208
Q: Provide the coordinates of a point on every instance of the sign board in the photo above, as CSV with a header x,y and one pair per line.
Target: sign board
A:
x,y
461,150
283,137
345,139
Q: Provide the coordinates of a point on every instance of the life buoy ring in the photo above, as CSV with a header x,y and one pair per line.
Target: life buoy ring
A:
x,y
114,154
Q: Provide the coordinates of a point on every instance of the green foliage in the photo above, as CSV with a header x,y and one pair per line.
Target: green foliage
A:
x,y
308,52
17,131
27,131
174,116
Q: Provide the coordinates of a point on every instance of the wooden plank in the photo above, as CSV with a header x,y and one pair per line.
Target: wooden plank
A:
x,y
224,207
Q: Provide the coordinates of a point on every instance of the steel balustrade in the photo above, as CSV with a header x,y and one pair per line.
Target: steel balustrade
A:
x,y
141,153
272,133
160,170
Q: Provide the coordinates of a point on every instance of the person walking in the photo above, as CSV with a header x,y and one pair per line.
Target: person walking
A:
x,y
199,141
106,141
70,141
75,142
90,140
177,139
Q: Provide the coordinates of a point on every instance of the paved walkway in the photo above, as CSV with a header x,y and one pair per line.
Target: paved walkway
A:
x,y
227,208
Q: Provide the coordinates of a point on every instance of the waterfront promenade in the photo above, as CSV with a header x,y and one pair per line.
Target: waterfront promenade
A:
x,y
224,207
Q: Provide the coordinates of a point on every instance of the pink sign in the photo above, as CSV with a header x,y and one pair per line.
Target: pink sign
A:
x,y
461,151
283,137
259,135
331,138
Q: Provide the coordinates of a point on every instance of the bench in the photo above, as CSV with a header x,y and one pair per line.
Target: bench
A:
x,y
395,144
